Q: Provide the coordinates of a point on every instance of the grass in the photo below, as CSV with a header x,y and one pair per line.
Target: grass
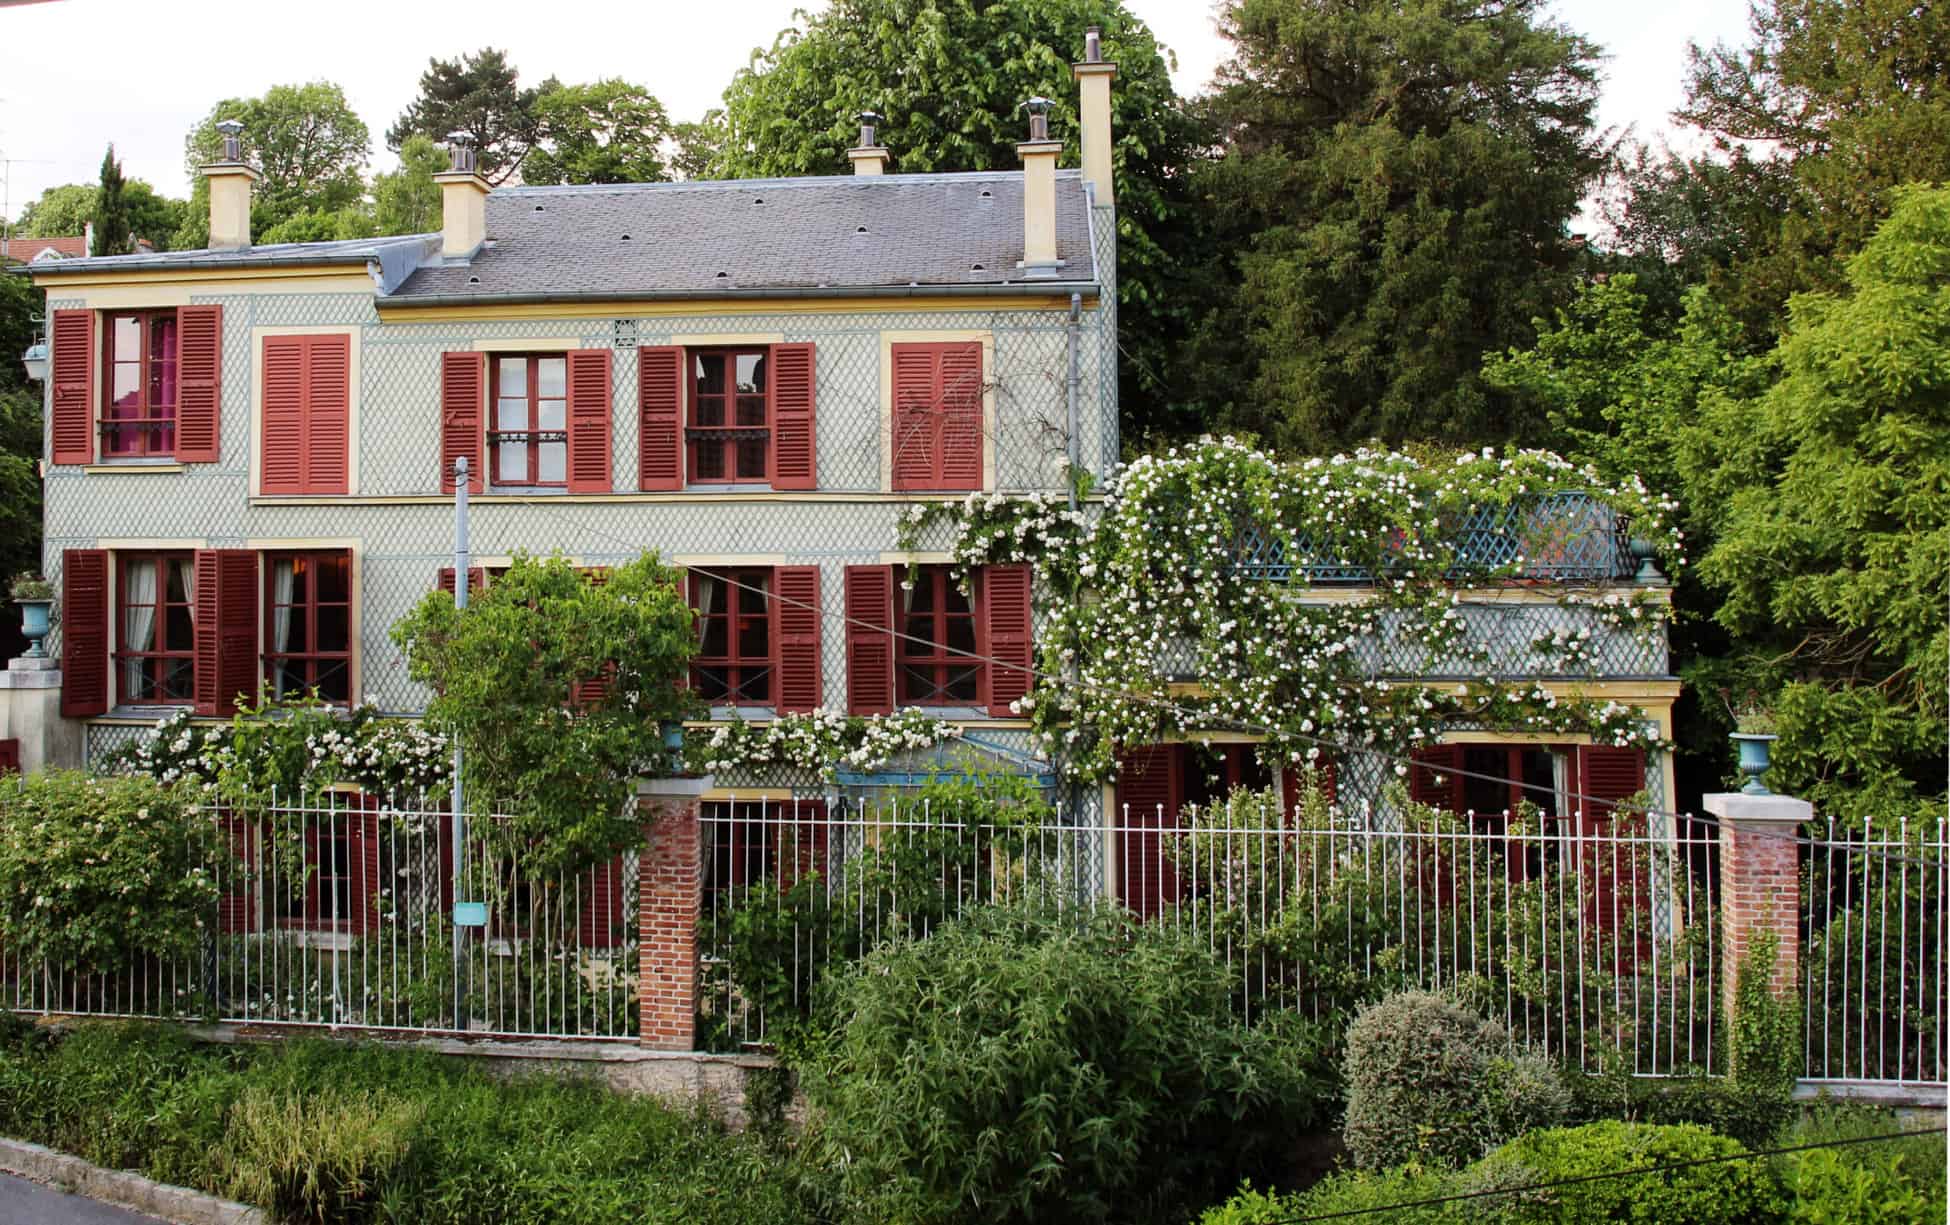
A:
x,y
325,1132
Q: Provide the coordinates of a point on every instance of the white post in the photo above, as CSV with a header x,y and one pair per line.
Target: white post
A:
x,y
460,812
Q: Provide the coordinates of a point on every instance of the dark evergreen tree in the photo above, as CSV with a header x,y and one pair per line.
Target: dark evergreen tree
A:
x,y
479,94
111,215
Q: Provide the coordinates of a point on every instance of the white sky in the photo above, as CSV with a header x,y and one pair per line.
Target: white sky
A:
x,y
77,74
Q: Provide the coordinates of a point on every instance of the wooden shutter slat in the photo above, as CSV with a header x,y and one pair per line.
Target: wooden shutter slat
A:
x,y
960,447
1607,775
225,634
328,414
199,378
1435,777
281,442
916,376
660,418
590,399
1147,798
476,579
870,640
463,392
1006,625
938,437
795,463
84,633
600,907
796,617
73,410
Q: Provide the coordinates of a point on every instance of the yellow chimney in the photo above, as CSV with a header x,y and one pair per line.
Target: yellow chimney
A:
x,y
230,192
869,156
1039,154
1094,76
463,200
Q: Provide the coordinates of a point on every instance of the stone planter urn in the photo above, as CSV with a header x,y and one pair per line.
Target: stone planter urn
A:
x,y
34,622
1756,750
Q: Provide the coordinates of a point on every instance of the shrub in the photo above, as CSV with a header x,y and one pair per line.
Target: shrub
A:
x,y
1752,1114
1375,1196
321,1158
1885,1182
94,871
1428,1081
1738,1192
1022,1065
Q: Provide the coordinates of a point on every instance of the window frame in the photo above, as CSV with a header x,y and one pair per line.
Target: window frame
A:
x,y
143,427
156,663
942,657
536,436
734,659
696,436
312,659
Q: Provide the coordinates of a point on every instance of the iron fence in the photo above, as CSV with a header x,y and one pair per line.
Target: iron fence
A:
x,y
339,912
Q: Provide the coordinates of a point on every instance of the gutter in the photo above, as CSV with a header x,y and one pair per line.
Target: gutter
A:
x,y
1011,289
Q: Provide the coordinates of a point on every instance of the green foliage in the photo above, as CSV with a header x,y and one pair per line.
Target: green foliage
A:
x,y
608,131
111,217
323,1158
64,211
98,869
1432,1083
1021,1065
1766,1030
1752,1114
407,200
1879,1183
511,677
306,141
1724,1193
1382,232
478,94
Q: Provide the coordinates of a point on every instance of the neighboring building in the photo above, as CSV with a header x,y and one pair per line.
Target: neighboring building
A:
x,y
18,250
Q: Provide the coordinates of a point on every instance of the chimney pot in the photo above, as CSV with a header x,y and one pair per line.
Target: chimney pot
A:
x,y
233,148
1093,47
869,125
1039,154
1094,76
868,157
1038,108
463,200
460,152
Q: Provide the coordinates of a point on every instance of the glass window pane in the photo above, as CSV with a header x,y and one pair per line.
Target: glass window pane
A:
x,y
754,640
296,639
920,635
710,461
179,680
127,333
135,680
921,597
178,579
332,572
125,388
710,412
334,680
712,644
551,376
917,684
755,685
751,411
751,596
511,414
751,459
711,683
287,679
751,372
513,458
962,684
179,632
961,634
953,598
162,339
514,376
552,414
334,628
552,463
710,374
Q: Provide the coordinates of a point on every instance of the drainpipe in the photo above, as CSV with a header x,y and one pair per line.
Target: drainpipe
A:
x,y
1076,388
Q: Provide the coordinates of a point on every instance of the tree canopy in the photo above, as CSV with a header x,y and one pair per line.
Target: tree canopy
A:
x,y
306,141
607,131
480,94
63,211
111,217
407,200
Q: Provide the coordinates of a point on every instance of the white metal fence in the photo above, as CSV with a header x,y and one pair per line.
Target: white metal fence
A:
x,y
339,913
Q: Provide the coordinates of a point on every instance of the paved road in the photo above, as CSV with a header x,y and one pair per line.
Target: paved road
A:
x,y
29,1203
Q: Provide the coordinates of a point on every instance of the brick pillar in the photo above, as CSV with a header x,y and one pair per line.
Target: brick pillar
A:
x,y
1760,882
670,891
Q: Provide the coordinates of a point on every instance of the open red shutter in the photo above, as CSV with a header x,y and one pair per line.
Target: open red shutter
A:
x,y
1606,775
281,441
199,374
365,839
1006,628
1435,777
74,387
328,414
917,382
660,413
794,463
237,909
590,398
599,904
226,629
84,632
1148,794
869,640
795,639
961,416
463,391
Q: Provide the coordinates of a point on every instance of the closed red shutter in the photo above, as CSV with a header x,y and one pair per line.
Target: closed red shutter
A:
x,y
281,442
869,640
74,387
226,629
237,910
802,844
9,756
660,418
1005,592
794,463
600,905
84,632
328,414
463,391
1435,778
1149,792
796,615
476,579
938,442
590,398
1606,775
199,372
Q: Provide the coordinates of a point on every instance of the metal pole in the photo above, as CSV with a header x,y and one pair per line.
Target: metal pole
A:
x,y
460,812
1075,389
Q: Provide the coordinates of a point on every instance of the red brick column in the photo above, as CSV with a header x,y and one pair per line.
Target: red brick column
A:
x,y
1760,883
670,891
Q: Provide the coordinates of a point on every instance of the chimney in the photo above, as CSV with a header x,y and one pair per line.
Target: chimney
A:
x,y
1094,76
463,200
1039,155
87,238
868,157
230,192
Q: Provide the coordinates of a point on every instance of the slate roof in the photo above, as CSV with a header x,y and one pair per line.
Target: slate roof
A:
x,y
808,234
346,251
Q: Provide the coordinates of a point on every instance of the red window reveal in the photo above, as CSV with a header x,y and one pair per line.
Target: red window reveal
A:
x,y
935,656
140,384
155,649
729,433
734,661
308,624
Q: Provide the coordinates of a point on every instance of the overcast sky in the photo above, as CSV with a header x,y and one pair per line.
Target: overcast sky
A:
x,y
77,74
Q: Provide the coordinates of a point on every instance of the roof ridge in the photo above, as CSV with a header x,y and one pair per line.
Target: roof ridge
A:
x,y
863,181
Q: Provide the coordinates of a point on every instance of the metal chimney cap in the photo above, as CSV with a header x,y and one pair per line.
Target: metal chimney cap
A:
x,y
233,149
462,138
1038,105
1093,48
871,117
230,127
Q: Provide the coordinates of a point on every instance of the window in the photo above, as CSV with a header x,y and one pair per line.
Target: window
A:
x,y
156,649
753,843
324,896
529,443
308,624
937,422
139,408
729,435
734,653
934,656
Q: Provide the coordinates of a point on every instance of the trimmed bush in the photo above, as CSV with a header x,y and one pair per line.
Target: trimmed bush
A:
x,y
1017,1065
1725,1193
1885,1182
1753,1114
1430,1082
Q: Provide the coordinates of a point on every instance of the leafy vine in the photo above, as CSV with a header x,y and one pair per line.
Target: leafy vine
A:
x,y
818,740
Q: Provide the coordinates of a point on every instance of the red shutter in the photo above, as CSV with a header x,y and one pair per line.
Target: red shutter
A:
x,y
9,756
199,373
281,442
1006,629
463,391
365,839
1150,790
916,380
476,579
84,632
796,615
869,640
1326,774
328,414
599,905
226,629
590,398
961,416
938,441
1606,775
237,909
660,418
1435,778
802,842
74,387
794,463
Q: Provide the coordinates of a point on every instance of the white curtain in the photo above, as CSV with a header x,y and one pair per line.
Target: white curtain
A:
x,y
1561,783
186,575
140,600
284,582
710,597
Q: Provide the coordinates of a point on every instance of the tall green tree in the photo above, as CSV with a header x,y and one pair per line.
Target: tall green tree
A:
x,y
607,131
407,200
20,447
111,216
65,210
305,140
480,94
950,77
1392,203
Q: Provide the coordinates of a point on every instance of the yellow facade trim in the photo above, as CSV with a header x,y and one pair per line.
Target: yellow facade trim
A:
x,y
1550,594
158,544
707,340
352,396
133,469
404,312
917,557
173,287
724,561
